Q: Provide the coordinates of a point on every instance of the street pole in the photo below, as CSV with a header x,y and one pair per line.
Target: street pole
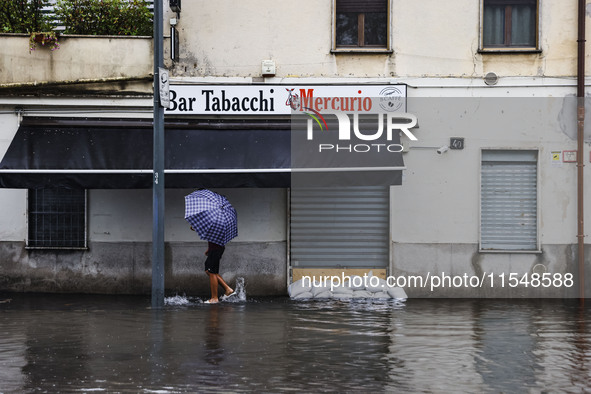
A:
x,y
580,143
158,179
582,12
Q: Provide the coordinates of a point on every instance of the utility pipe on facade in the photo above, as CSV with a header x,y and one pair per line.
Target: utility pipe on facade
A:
x,y
580,142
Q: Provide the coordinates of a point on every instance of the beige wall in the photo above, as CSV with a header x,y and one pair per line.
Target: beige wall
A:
x,y
429,39
230,39
438,201
78,58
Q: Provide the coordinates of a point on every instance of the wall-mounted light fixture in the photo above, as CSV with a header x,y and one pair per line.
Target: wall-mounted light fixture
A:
x,y
175,6
174,40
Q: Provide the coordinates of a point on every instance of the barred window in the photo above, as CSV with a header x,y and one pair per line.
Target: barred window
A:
x,y
57,218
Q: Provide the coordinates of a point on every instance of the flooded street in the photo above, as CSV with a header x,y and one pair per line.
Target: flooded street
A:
x,y
65,343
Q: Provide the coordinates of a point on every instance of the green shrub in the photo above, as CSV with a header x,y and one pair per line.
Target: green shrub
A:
x,y
23,16
105,17
91,17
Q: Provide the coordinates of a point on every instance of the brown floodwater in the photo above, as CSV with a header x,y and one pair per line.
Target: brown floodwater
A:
x,y
75,343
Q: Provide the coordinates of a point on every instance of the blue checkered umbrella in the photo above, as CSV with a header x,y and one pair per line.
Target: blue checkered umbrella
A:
x,y
212,216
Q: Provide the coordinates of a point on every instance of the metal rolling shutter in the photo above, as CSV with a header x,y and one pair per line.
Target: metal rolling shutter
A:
x,y
509,200
340,227
362,5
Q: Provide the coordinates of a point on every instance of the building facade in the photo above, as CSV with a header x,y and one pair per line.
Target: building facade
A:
x,y
487,190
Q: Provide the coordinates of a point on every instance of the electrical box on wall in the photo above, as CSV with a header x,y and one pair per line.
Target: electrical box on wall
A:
x,y
268,68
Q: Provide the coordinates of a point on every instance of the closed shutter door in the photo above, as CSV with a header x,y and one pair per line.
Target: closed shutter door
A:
x,y
509,200
340,227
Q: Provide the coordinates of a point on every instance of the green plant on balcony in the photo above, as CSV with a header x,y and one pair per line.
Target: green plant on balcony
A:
x,y
23,16
105,17
85,17
26,16
46,39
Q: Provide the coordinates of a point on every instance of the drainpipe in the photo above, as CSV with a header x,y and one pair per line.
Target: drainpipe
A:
x,y
580,133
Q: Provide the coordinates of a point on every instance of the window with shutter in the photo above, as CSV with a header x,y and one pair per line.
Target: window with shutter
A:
x,y
508,200
361,24
510,24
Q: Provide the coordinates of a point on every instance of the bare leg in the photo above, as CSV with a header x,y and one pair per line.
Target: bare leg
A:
x,y
227,289
213,285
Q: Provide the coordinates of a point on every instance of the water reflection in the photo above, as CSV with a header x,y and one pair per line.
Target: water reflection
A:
x,y
118,344
580,353
214,348
54,350
506,344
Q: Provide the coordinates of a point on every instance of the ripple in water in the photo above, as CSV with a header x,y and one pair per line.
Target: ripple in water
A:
x,y
78,343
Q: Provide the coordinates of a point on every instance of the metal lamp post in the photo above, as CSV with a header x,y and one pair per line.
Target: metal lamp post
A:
x,y
158,171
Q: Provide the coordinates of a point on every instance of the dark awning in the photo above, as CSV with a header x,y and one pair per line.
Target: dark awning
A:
x,y
112,154
115,154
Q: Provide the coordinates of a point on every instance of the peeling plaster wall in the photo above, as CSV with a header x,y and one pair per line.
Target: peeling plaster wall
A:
x,y
126,268
119,255
230,39
443,261
78,58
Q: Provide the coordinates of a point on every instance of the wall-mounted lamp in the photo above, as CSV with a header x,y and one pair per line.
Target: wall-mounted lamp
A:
x,y
175,6
174,40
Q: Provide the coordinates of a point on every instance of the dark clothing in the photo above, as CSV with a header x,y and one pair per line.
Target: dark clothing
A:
x,y
212,246
214,255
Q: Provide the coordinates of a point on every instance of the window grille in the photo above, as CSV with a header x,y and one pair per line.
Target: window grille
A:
x,y
57,218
